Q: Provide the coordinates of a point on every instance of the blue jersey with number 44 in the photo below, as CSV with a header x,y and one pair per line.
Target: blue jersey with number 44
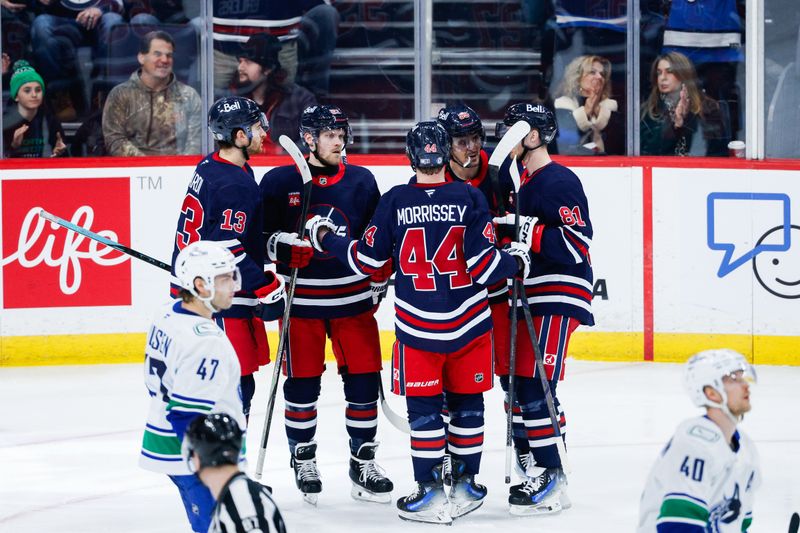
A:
x,y
442,241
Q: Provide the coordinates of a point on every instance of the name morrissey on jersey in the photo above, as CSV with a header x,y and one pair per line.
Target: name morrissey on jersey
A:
x,y
419,214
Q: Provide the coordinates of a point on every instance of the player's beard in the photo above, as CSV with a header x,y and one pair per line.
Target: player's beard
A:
x,y
331,159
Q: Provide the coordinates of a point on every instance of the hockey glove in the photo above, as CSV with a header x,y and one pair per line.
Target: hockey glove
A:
x,y
527,227
314,225
522,254
271,297
379,282
288,249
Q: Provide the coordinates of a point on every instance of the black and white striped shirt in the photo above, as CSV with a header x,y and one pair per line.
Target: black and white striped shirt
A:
x,y
245,506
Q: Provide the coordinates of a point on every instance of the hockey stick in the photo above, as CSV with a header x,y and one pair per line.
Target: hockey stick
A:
x,y
513,136
394,419
104,240
537,351
794,523
283,339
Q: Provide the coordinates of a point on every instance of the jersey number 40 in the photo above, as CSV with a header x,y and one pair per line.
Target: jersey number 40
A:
x,y
448,259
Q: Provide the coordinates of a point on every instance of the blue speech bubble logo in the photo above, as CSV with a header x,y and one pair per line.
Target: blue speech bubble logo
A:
x,y
730,261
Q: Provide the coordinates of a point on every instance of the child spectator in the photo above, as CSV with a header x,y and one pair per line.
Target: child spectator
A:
x,y
29,128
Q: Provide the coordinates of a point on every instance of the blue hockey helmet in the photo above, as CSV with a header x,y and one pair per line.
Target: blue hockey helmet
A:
x,y
215,438
461,120
317,118
428,145
537,115
232,113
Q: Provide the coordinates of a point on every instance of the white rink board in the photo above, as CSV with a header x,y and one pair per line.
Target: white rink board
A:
x,y
155,198
689,294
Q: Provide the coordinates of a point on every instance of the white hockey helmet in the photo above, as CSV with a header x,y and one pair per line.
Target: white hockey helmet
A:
x,y
205,260
707,368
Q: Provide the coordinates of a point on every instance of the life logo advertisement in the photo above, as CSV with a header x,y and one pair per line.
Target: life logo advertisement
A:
x,y
45,265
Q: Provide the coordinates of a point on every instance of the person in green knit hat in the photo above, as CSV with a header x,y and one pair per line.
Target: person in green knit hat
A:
x,y
29,128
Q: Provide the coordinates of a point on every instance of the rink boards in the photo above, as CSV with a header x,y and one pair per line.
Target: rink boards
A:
x,y
688,254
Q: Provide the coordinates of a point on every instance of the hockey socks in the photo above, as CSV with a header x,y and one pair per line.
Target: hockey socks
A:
x,y
465,431
361,411
427,434
536,418
519,435
301,396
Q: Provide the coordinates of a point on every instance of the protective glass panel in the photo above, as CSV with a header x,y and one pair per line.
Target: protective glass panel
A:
x,y
782,78
692,78
62,60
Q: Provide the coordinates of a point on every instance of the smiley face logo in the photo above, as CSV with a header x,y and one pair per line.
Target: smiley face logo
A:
x,y
779,272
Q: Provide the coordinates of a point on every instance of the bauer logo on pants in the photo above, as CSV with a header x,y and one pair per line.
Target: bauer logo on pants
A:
x,y
45,265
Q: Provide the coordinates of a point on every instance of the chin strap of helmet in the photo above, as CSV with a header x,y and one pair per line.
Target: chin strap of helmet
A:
x,y
723,406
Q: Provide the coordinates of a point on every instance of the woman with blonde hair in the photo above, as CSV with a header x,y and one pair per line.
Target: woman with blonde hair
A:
x,y
676,108
584,109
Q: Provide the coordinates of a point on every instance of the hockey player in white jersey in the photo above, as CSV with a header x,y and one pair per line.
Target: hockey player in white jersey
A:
x,y
706,477
191,369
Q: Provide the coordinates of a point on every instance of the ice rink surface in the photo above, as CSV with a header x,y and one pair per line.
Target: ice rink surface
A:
x,y
69,443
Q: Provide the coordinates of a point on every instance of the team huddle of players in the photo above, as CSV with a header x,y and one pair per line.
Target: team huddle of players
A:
x,y
448,238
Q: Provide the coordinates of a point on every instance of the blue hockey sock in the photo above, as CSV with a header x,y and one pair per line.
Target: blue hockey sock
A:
x,y
248,384
427,434
301,396
539,428
518,433
361,410
197,501
465,432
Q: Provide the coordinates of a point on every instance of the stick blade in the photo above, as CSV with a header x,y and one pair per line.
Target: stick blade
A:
x,y
295,153
514,135
794,523
514,171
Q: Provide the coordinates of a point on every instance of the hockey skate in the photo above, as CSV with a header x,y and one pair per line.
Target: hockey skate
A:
x,y
369,481
428,503
540,494
306,475
465,494
525,466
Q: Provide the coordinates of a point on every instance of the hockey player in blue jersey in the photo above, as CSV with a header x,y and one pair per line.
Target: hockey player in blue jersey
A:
x,y
559,292
440,236
706,476
191,369
221,204
330,301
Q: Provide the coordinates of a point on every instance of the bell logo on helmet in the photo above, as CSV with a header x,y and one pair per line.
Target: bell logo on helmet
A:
x,y
534,108
228,107
431,148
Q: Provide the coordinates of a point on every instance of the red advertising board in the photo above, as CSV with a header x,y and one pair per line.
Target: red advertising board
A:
x,y
46,265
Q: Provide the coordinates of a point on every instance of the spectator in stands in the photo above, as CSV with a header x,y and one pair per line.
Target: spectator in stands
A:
x,y
57,33
29,128
261,79
153,113
709,33
16,17
311,22
676,109
155,12
589,121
